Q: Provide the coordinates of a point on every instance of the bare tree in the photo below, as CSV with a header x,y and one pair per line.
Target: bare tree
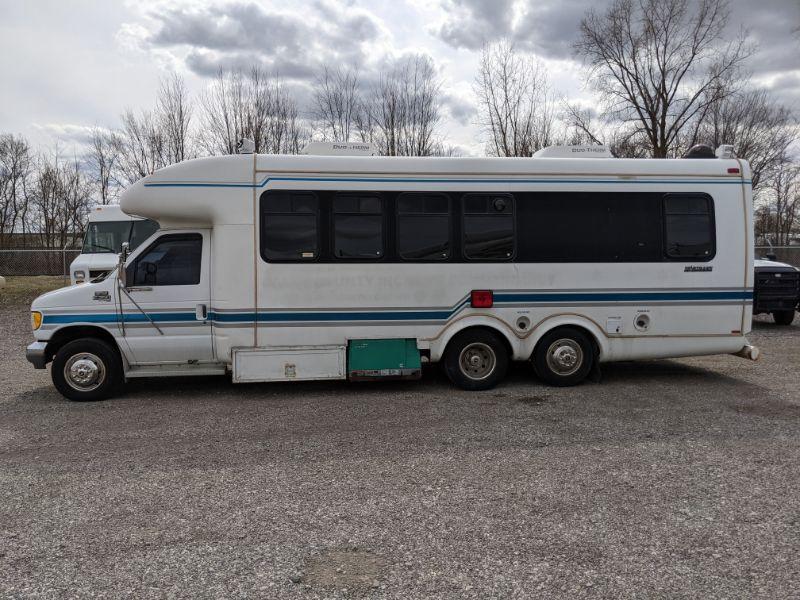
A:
x,y
254,106
760,129
175,110
403,111
517,106
337,104
60,198
15,167
780,204
103,160
660,64
141,146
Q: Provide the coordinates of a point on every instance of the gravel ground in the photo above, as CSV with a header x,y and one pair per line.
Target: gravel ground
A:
x,y
672,478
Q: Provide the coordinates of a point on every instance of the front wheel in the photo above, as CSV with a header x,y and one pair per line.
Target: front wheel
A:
x,y
563,357
87,369
783,317
476,359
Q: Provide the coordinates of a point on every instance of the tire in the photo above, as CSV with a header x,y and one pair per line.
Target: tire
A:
x,y
563,357
783,317
476,359
87,369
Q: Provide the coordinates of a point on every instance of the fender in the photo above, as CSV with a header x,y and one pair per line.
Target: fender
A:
x,y
79,330
439,343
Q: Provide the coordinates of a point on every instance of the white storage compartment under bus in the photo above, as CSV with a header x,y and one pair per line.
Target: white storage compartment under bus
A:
x,y
297,363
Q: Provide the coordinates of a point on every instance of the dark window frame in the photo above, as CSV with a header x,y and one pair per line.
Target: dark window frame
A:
x,y
712,225
130,270
464,214
262,214
383,213
397,215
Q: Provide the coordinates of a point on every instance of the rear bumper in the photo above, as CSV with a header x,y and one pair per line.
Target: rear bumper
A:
x,y
36,353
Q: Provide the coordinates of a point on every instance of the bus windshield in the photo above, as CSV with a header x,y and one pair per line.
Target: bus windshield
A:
x,y
106,236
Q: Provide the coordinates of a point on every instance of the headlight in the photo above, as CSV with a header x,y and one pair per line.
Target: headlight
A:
x,y
36,319
79,275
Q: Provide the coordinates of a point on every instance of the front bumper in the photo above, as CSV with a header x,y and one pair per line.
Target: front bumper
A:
x,y
36,353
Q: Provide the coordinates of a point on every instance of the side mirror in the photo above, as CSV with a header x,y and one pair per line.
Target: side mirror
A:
x,y
123,256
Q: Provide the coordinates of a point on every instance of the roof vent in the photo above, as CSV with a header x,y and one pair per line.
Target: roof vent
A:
x,y
339,149
699,151
245,146
725,151
574,152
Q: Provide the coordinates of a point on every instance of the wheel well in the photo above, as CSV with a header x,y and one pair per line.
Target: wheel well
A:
x,y
67,334
493,330
584,330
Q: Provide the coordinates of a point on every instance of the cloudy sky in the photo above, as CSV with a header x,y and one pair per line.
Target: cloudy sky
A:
x,y
68,65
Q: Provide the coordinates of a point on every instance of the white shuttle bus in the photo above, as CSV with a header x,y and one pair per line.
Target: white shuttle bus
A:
x,y
297,268
107,229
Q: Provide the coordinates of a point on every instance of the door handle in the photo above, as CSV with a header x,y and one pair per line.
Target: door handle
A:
x,y
201,312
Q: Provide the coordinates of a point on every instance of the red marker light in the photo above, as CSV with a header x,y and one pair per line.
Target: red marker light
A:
x,y
733,170
481,298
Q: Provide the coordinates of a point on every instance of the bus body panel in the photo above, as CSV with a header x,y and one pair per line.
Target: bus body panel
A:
x,y
688,307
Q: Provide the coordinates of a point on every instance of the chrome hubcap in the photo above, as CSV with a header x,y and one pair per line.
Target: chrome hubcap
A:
x,y
84,372
564,356
477,361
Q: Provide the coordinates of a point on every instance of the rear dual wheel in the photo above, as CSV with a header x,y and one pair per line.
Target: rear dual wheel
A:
x,y
478,359
563,357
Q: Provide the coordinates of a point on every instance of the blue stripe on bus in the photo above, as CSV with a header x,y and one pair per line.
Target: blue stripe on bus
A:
x,y
732,180
267,316
627,297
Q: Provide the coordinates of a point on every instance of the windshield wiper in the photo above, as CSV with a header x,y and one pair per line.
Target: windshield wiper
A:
x,y
101,247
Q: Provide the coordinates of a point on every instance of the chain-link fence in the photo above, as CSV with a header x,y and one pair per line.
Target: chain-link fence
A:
x,y
36,261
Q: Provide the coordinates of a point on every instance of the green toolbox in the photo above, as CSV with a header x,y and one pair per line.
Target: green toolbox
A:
x,y
383,359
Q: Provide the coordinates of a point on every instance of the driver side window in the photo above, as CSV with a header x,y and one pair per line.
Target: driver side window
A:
x,y
170,260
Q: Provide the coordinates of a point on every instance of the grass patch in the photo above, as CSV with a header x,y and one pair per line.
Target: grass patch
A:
x,y
22,290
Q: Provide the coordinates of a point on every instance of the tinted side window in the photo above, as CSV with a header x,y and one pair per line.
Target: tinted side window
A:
x,y
289,223
171,260
689,226
488,226
590,227
423,226
358,226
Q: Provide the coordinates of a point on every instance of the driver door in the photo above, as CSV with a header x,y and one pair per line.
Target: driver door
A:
x,y
165,304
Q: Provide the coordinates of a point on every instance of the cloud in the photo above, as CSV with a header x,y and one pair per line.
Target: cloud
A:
x,y
473,23
66,132
241,34
549,29
460,108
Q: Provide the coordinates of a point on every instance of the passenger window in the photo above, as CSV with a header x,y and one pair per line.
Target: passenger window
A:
x,y
689,226
488,226
171,260
358,226
289,223
423,226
